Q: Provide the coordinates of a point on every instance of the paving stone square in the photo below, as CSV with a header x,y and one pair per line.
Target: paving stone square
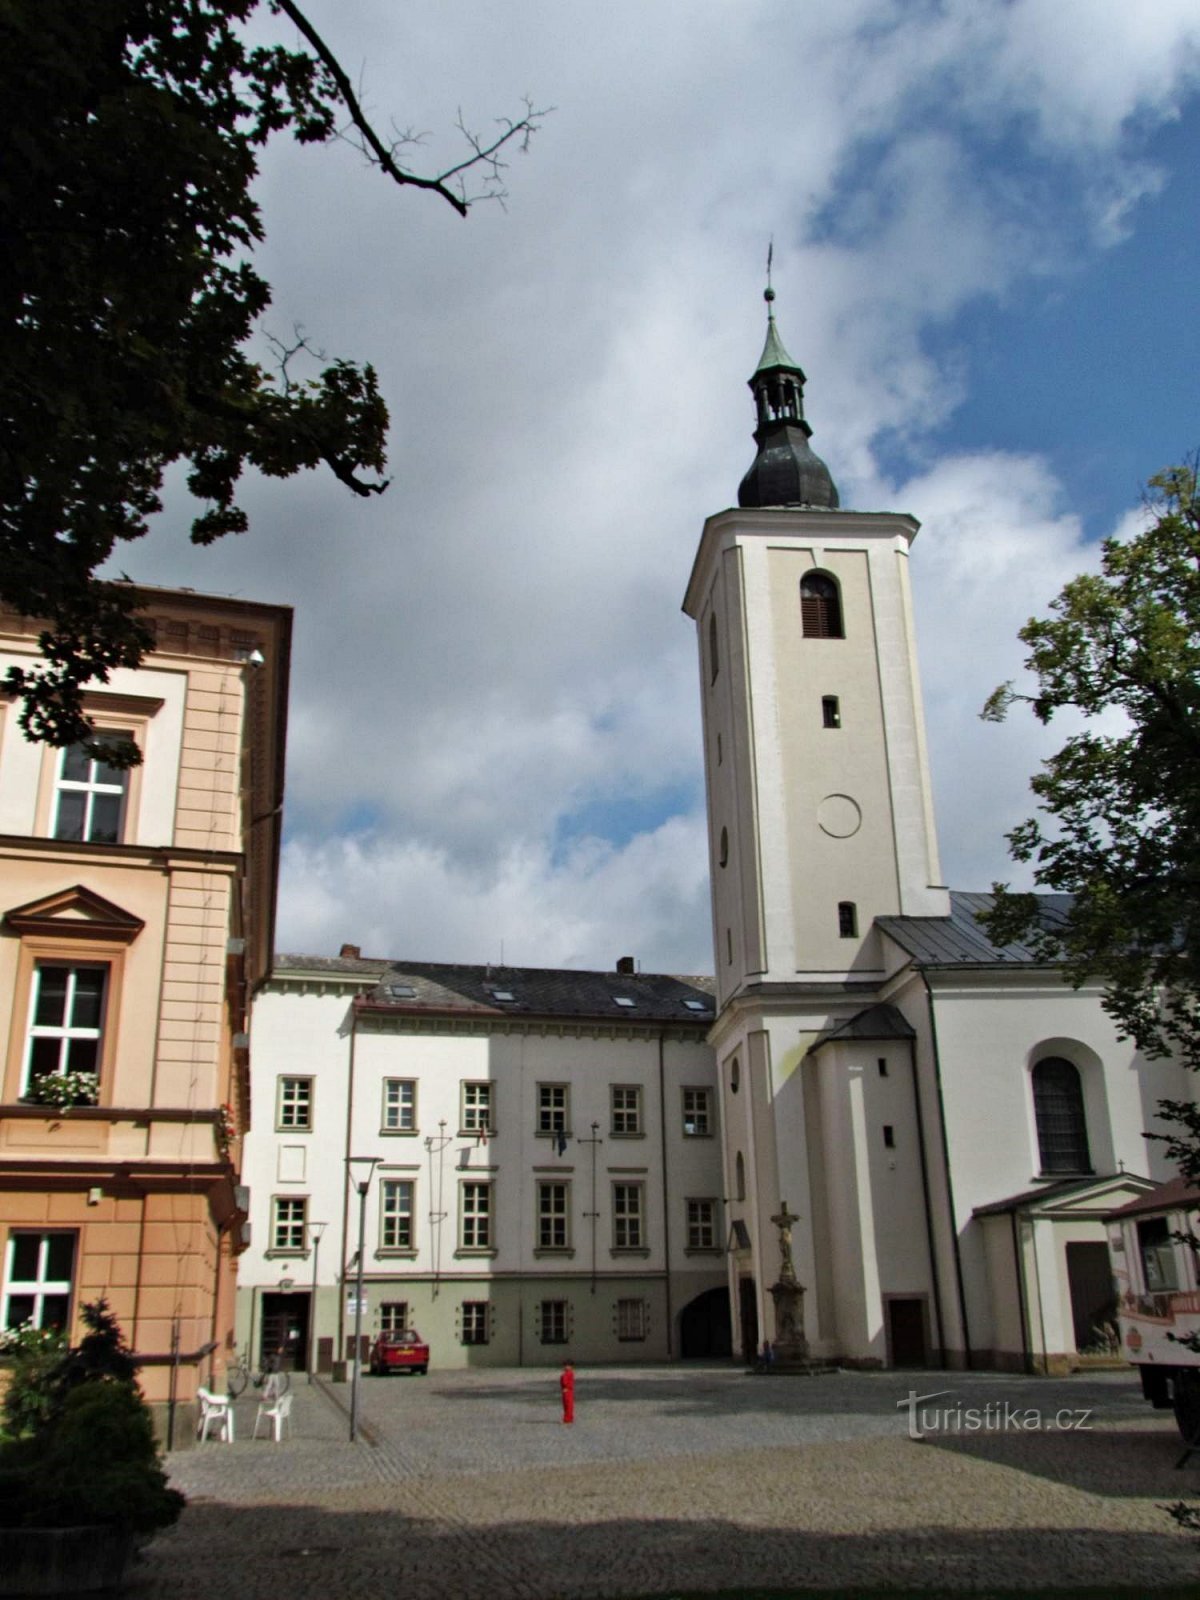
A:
x,y
469,1484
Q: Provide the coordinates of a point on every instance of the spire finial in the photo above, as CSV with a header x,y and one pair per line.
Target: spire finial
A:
x,y
768,292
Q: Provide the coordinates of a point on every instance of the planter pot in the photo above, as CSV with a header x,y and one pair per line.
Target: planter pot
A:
x,y
62,1560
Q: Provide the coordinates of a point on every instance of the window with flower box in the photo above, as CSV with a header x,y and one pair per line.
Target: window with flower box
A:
x,y
62,1060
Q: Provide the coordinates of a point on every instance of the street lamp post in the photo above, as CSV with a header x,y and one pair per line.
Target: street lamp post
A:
x,y
364,1186
315,1230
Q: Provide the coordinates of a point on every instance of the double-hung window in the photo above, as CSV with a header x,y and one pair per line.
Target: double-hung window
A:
x,y
554,1109
293,1109
90,799
631,1321
626,1109
289,1219
476,1321
697,1113
396,1214
477,1108
399,1105
475,1231
701,1224
554,1216
393,1316
627,1216
66,1029
38,1273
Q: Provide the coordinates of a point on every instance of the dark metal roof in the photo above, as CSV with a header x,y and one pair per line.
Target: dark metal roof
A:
x,y
876,1022
959,940
414,986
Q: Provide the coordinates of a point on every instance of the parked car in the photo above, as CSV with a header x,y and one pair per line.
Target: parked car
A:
x,y
404,1351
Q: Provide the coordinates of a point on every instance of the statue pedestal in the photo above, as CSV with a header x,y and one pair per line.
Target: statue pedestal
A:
x,y
791,1345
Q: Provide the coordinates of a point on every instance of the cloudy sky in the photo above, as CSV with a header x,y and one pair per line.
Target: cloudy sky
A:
x,y
984,215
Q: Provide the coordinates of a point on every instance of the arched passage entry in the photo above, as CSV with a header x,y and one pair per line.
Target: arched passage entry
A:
x,y
704,1327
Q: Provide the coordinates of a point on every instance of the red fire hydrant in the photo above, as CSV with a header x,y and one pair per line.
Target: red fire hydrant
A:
x,y
567,1384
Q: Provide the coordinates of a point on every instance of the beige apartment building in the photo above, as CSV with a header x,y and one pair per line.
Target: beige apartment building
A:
x,y
136,918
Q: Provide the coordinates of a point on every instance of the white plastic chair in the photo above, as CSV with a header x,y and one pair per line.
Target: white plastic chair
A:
x,y
216,1411
276,1412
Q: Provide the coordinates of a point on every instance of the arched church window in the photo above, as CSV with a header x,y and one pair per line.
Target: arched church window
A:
x,y
1058,1109
724,854
847,919
739,1177
735,1076
820,607
714,660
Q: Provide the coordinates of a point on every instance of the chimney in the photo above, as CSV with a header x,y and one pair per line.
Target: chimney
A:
x,y
626,966
350,952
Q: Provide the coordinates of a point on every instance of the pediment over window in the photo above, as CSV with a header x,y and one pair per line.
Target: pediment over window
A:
x,y
77,913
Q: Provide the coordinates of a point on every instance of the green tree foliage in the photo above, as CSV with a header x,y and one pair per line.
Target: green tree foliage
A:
x,y
1119,805
133,132
81,1446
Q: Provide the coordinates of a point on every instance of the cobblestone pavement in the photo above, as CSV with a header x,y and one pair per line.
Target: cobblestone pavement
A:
x,y
468,1485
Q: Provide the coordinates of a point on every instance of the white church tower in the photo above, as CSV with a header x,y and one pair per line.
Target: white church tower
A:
x,y
820,820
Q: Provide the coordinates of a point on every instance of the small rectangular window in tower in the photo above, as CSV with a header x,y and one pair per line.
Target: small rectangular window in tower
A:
x,y
847,919
729,946
889,1136
882,1062
831,715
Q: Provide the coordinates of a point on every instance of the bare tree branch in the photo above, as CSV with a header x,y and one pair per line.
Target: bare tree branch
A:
x,y
375,149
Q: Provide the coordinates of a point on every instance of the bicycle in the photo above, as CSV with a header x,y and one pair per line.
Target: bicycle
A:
x,y
272,1377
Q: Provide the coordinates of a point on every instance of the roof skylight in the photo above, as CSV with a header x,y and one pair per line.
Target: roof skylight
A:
x,y
400,991
697,1005
623,1000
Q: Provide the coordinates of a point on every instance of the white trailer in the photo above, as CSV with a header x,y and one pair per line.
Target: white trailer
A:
x,y
1157,1275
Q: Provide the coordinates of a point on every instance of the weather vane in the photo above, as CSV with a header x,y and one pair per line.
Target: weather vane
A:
x,y
769,293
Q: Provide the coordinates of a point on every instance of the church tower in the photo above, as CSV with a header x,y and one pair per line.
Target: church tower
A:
x,y
820,819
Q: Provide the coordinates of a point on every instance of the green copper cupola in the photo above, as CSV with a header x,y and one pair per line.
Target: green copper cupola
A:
x,y
785,472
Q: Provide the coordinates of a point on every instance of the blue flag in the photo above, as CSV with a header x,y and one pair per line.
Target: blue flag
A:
x,y
560,1142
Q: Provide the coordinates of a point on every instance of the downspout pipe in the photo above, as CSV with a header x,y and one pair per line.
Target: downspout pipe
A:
x,y
340,1353
1022,1308
941,1106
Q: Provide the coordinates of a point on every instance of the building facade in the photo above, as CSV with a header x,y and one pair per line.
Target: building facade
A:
x,y
533,1158
948,1118
137,918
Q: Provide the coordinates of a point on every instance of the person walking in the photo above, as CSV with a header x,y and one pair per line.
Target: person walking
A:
x,y
567,1384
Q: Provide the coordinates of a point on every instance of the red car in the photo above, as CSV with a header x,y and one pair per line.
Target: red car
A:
x,y
404,1351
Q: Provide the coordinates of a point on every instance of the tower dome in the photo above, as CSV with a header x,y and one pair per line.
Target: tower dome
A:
x,y
786,471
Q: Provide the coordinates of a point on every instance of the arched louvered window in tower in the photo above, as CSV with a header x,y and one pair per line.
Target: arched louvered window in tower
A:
x,y
714,660
1061,1124
820,607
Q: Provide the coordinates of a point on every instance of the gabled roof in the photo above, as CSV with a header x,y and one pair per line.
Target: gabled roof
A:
x,y
959,940
1177,1195
1061,1195
407,987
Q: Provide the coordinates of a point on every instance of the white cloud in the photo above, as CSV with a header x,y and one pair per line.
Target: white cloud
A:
x,y
496,646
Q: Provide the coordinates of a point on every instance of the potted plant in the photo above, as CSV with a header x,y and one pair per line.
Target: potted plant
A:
x,y
65,1089
81,1482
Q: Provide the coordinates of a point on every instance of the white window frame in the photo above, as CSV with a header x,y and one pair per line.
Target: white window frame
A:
x,y
697,1111
399,1112
393,1316
91,787
629,1216
632,1321
554,1110
554,1215
476,1211
39,1288
478,1107
625,1119
397,1214
701,1223
291,1099
67,1032
476,1322
289,1223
